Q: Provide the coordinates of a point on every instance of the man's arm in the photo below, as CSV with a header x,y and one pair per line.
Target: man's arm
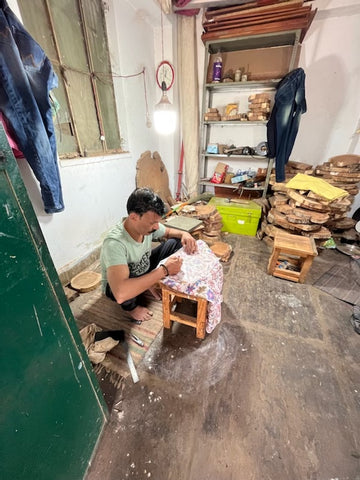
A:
x,y
187,240
123,288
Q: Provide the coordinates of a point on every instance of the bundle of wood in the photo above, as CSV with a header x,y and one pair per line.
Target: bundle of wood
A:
x,y
211,218
305,213
259,107
342,171
211,229
255,18
212,221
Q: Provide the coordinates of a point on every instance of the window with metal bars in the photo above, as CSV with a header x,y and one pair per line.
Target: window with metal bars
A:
x,y
73,35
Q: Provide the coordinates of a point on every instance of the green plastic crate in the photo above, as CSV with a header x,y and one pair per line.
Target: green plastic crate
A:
x,y
242,219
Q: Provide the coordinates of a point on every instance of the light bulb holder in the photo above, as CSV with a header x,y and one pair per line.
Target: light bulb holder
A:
x,y
164,103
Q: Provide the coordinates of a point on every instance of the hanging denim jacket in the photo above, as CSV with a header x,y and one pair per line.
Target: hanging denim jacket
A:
x,y
284,121
26,78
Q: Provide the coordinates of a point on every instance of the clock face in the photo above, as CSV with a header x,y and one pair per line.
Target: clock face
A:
x,y
165,73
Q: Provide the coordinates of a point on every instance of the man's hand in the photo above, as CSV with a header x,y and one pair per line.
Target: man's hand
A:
x,y
189,243
173,264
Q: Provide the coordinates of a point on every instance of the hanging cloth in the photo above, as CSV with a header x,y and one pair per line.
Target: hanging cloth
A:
x,y
26,79
284,121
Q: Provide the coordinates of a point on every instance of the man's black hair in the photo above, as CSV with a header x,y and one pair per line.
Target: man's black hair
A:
x,y
144,200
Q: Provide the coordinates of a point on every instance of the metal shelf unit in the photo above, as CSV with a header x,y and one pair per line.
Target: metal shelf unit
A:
x,y
211,90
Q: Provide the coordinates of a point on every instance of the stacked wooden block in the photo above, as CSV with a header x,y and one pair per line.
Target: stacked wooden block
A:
x,y
306,213
211,218
212,221
254,18
211,230
212,115
342,171
259,107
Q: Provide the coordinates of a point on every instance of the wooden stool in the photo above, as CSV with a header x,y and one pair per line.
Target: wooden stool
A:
x,y
297,250
170,300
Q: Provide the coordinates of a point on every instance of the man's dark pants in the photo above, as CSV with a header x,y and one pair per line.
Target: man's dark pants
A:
x,y
160,252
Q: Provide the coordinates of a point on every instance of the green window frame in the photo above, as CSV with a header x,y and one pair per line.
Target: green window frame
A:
x,y
73,35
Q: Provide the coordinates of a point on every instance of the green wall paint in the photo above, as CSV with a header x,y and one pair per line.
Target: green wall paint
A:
x,y
52,411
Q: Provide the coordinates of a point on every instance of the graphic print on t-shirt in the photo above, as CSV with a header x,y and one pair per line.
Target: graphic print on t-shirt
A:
x,y
141,267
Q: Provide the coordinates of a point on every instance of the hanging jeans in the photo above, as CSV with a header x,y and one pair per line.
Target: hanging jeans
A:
x,y
26,78
284,121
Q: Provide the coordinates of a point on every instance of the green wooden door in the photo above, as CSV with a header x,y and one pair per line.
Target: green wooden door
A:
x,y
52,411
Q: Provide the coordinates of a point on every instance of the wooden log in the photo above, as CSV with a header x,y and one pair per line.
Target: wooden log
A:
x,y
336,180
322,233
278,218
307,202
286,209
334,217
279,187
314,217
343,224
280,201
317,197
295,219
204,211
344,160
340,202
222,250
299,165
342,175
349,169
305,172
272,230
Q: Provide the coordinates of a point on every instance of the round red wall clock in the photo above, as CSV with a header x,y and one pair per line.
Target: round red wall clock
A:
x,y
165,73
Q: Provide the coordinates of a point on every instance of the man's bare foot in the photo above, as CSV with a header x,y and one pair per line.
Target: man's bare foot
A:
x,y
155,292
141,314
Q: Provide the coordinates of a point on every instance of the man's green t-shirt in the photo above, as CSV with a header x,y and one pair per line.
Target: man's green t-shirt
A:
x,y
119,248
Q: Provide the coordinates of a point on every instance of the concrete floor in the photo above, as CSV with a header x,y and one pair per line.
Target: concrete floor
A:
x,y
272,394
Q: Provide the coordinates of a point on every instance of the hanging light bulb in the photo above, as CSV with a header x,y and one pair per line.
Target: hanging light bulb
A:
x,y
165,114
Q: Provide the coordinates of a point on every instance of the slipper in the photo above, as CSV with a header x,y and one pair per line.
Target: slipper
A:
x,y
115,334
137,322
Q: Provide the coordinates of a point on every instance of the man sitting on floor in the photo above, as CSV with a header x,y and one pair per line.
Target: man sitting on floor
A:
x,y
129,264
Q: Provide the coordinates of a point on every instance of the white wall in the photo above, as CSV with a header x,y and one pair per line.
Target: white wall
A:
x,y
95,190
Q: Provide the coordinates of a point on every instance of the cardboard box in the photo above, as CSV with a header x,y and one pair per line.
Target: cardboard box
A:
x,y
242,219
258,63
219,173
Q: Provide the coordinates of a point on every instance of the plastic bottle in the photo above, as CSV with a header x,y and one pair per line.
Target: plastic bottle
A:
x,y
217,68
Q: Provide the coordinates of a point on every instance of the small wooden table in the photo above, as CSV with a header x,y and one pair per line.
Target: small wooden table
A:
x,y
292,256
170,299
